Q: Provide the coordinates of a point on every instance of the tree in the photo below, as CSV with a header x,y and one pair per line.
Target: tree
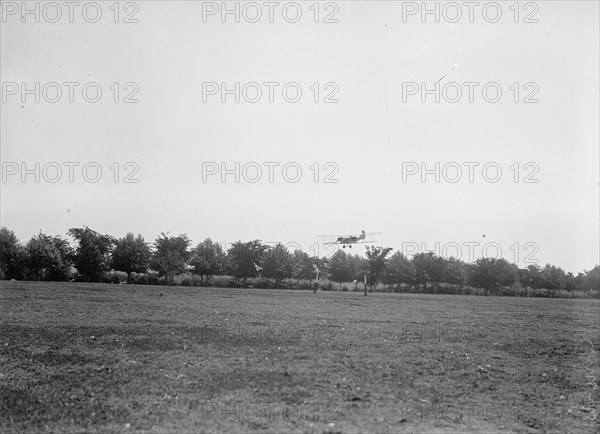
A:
x,y
277,263
92,256
131,255
509,273
400,269
492,273
323,265
573,282
376,262
321,268
49,258
531,277
12,256
592,278
170,255
359,267
429,268
483,274
303,266
245,260
208,259
455,272
554,278
339,268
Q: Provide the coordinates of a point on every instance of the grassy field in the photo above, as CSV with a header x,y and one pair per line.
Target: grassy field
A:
x,y
123,358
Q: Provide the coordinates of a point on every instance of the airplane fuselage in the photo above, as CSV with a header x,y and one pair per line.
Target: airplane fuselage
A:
x,y
351,239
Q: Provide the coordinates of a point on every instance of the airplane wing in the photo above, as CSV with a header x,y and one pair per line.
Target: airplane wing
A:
x,y
347,239
329,239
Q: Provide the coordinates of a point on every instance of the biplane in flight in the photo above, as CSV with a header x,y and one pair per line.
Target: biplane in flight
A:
x,y
348,240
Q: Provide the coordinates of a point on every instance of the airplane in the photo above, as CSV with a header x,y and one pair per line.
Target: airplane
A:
x,y
350,239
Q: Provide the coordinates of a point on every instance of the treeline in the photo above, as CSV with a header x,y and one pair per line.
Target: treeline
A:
x,y
174,260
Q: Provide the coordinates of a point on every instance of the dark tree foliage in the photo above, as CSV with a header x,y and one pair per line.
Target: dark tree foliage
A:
x,y
400,269
170,255
376,262
245,260
52,258
455,272
491,273
13,258
554,278
303,266
131,255
429,268
531,277
278,263
49,258
208,259
359,267
592,279
92,256
339,268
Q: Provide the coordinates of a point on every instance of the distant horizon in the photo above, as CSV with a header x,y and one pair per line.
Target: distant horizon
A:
x,y
327,251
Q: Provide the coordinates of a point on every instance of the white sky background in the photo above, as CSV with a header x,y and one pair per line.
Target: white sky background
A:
x,y
368,134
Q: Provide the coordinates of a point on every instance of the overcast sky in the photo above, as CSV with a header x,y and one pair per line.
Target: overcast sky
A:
x,y
370,135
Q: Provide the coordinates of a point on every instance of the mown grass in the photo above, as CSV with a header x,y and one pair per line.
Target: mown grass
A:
x,y
117,358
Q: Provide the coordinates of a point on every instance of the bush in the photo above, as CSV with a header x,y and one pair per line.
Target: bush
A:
x,y
113,277
305,284
385,288
399,288
151,278
288,284
186,279
540,293
468,290
514,290
264,283
140,279
326,285
223,281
